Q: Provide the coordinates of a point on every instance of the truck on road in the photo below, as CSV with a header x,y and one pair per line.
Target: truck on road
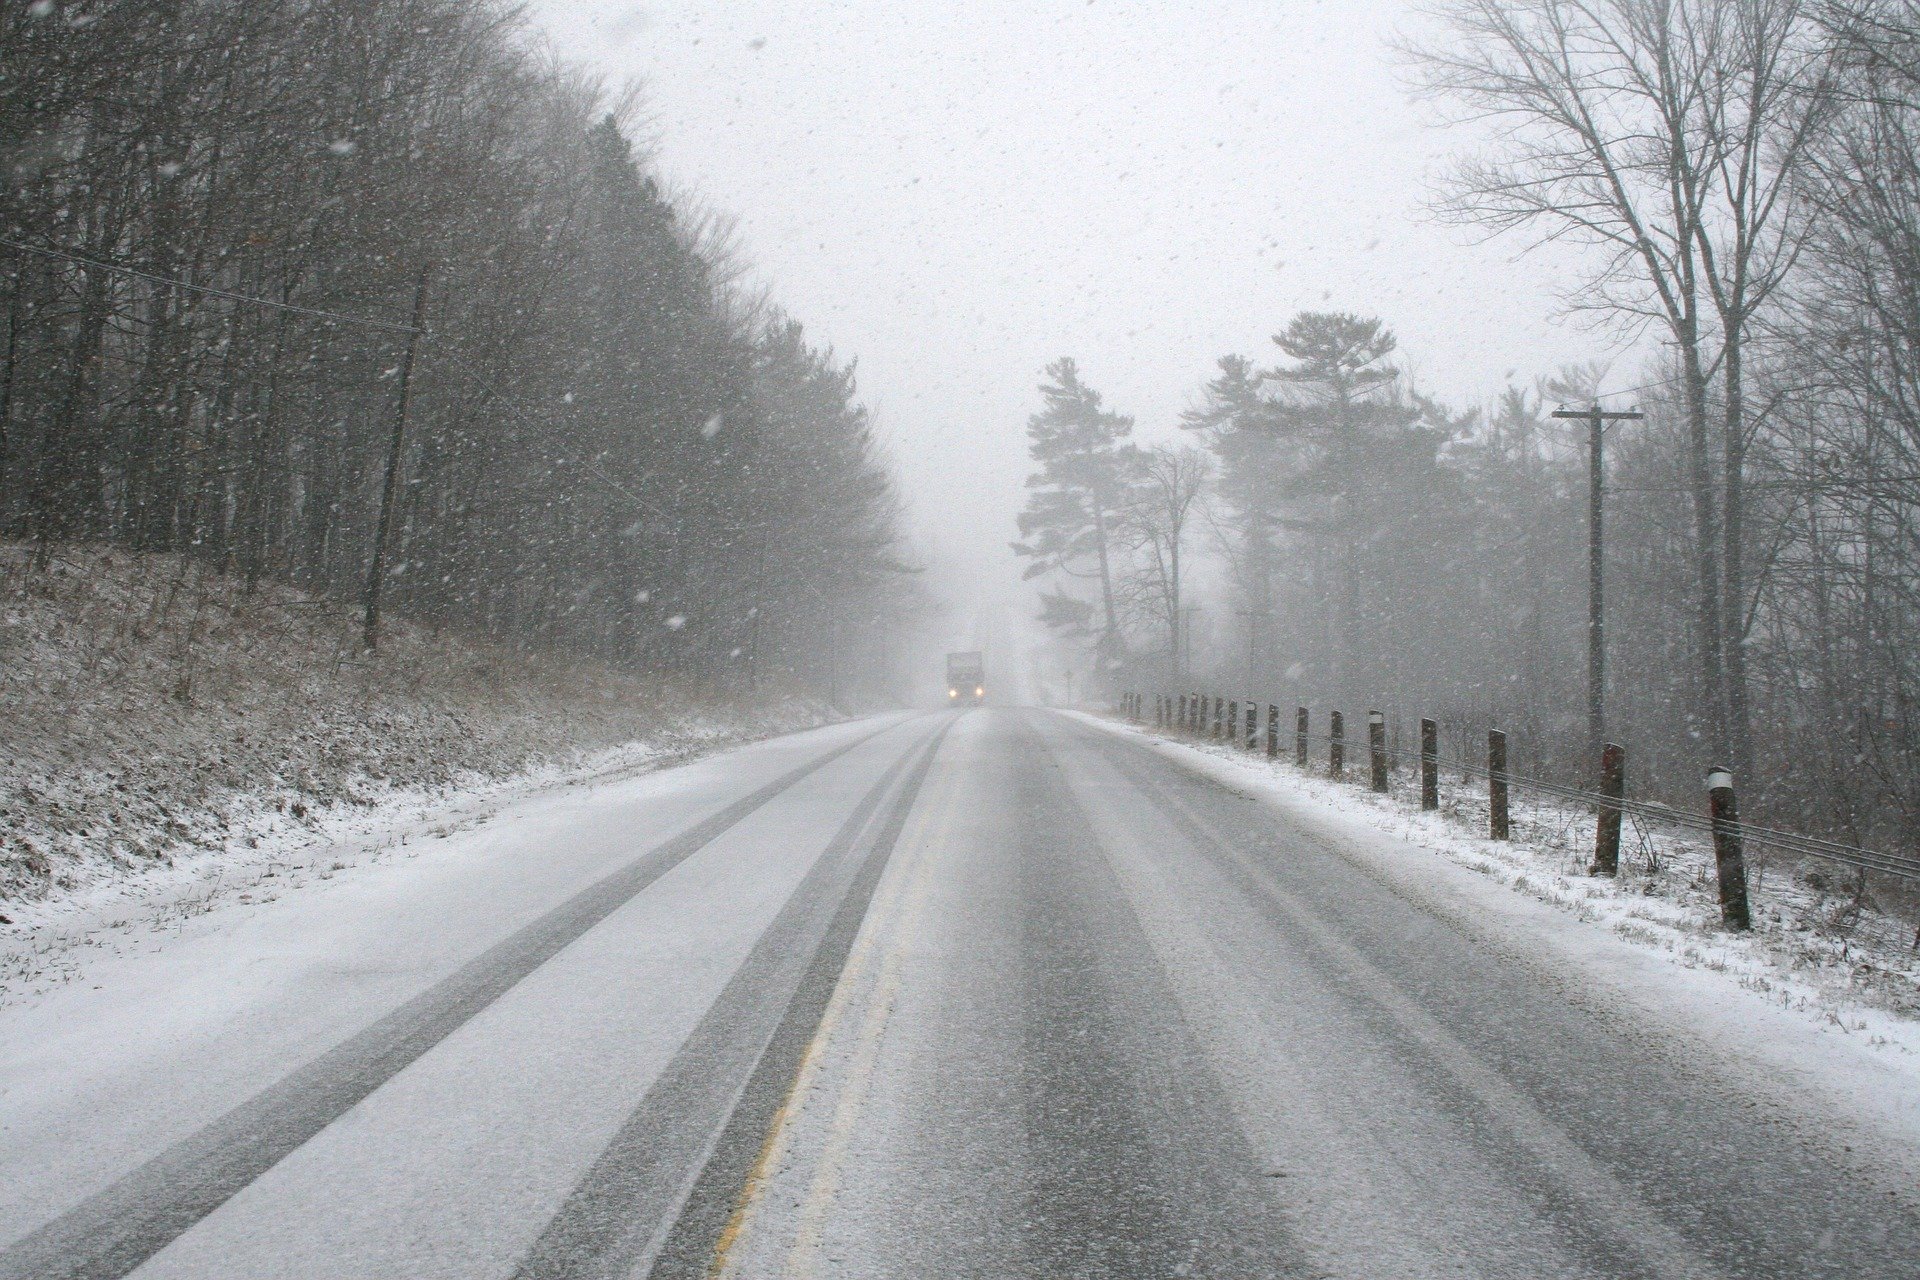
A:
x,y
966,679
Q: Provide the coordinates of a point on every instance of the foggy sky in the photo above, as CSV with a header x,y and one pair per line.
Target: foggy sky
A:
x,y
958,193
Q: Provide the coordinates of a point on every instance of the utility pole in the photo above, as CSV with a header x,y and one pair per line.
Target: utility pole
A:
x,y
1252,617
1186,636
390,491
1597,420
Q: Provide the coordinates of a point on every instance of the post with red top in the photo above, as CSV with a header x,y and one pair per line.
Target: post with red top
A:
x,y
1429,765
1497,824
1273,730
1613,785
1377,749
1728,855
1302,722
1337,745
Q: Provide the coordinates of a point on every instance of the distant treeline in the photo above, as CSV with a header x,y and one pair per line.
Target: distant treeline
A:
x,y
1749,173
610,446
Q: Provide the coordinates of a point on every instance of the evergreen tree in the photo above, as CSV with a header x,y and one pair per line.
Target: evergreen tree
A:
x,y
1069,525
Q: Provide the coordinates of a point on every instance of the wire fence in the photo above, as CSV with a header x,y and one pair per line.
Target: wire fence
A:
x,y
1893,864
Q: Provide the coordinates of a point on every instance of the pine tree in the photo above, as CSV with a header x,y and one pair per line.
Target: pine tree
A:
x,y
1084,463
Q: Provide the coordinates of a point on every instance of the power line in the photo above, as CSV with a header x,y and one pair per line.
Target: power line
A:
x,y
370,322
209,290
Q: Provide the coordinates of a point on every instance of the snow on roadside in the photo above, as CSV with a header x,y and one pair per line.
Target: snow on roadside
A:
x,y
174,735
1847,977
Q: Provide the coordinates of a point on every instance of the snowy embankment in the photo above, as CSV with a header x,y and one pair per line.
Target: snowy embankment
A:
x,y
1822,956
170,733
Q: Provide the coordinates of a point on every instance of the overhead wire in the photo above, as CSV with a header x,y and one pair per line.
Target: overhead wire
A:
x,y
371,322
462,366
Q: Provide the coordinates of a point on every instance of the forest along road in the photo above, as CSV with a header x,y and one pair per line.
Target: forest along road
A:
x,y
993,993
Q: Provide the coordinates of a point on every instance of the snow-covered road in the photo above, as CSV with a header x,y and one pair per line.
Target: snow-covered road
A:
x,y
996,993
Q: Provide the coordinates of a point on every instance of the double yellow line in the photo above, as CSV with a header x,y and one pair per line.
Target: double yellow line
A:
x,y
868,988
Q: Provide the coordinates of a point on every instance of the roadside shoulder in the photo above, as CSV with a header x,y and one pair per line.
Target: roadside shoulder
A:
x,y
1767,1026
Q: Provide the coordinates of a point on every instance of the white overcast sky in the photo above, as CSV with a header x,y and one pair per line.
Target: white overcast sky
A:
x,y
956,193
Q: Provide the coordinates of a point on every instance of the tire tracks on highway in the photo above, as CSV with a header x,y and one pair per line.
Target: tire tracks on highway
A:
x,y
660,1197
119,1228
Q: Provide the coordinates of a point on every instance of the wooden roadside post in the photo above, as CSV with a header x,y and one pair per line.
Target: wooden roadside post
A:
x,y
1302,721
1377,749
1273,730
1429,764
1729,856
1613,785
1497,823
1253,726
1233,721
1219,712
1337,746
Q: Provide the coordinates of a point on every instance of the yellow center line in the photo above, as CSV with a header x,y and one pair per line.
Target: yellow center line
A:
x,y
777,1147
866,1054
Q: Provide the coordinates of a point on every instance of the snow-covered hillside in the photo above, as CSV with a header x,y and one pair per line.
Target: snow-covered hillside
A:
x,y
155,711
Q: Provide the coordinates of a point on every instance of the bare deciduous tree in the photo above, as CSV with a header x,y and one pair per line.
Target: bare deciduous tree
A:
x,y
1167,486
1666,135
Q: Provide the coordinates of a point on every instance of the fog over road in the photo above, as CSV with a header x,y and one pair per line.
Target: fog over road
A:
x,y
989,993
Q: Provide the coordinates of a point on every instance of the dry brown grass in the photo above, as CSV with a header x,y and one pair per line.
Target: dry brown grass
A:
x,y
151,706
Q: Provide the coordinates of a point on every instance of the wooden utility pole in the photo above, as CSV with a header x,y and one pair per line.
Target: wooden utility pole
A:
x,y
1184,654
390,491
1597,420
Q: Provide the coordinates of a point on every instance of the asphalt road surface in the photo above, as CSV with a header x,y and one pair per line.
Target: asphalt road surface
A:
x,y
996,993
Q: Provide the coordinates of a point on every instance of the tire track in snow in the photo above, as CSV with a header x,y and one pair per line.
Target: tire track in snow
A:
x,y
119,1228
657,1201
